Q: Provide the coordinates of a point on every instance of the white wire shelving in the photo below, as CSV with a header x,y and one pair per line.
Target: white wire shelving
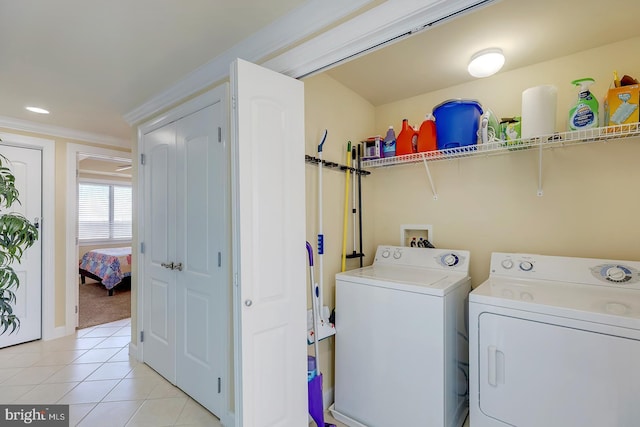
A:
x,y
558,139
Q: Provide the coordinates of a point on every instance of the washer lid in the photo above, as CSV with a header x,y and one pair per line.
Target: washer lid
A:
x,y
612,306
410,279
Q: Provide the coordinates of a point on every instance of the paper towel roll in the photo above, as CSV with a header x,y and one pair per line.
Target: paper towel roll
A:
x,y
539,111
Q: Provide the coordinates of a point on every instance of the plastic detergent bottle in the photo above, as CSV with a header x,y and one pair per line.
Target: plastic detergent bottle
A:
x,y
427,135
584,114
389,144
404,142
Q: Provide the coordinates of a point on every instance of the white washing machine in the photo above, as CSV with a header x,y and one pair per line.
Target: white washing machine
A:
x,y
401,350
555,342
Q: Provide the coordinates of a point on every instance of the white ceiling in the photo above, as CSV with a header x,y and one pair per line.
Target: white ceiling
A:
x,y
94,62
91,62
528,31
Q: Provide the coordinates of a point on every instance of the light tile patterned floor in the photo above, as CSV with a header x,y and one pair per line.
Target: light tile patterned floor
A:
x,y
93,373
104,387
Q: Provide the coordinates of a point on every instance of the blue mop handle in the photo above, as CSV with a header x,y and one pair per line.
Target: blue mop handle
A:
x,y
310,253
324,138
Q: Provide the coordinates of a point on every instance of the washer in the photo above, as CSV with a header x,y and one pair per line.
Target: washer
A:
x,y
555,342
401,343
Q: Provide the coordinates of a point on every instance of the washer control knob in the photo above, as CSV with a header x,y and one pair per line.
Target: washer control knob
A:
x,y
386,253
616,274
507,264
450,260
526,266
397,254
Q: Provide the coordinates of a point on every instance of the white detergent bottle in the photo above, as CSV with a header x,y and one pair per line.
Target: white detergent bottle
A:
x,y
584,114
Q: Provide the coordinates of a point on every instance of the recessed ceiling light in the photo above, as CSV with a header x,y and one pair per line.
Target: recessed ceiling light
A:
x,y
486,62
37,110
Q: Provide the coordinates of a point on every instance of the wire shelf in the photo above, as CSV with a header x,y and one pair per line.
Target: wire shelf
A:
x,y
559,139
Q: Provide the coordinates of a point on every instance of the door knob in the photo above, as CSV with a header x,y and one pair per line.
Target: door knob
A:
x,y
36,222
248,303
177,266
167,265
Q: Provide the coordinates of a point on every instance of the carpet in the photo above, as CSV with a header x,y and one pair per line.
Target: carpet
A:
x,y
97,307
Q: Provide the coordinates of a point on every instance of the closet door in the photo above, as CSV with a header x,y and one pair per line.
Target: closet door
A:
x,y
160,249
269,253
201,243
186,238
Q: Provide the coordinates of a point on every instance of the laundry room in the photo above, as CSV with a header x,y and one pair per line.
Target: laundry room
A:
x,y
568,199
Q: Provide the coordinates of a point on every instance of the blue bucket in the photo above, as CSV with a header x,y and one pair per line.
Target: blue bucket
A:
x,y
457,122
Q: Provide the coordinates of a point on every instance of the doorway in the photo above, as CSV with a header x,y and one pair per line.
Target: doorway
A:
x,y
103,163
104,239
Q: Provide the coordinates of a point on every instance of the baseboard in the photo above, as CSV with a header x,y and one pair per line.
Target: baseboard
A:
x,y
133,351
55,333
228,420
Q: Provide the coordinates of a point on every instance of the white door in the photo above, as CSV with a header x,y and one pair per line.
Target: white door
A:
x,y
533,373
187,251
26,165
202,249
269,247
159,239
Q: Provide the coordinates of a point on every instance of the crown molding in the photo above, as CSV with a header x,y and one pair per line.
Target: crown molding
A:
x,y
50,130
310,17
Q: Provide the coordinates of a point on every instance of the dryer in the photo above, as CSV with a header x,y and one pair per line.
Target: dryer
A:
x,y
555,342
401,349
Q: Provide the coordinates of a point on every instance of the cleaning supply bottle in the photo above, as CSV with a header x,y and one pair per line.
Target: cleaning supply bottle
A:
x,y
427,135
585,113
403,143
389,144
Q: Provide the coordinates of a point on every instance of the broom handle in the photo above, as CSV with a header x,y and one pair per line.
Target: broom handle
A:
x,y
346,210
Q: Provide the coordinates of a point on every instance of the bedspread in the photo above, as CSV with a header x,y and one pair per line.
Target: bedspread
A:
x,y
110,264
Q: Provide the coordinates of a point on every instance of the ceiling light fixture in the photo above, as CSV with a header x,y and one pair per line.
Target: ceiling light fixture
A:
x,y
486,63
37,110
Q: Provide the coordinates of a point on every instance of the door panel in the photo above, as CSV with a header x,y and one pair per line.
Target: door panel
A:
x,y
159,237
269,255
26,165
538,374
201,244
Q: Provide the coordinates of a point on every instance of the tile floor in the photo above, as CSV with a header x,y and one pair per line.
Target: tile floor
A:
x,y
93,373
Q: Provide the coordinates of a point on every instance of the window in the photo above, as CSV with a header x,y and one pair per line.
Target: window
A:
x,y
104,211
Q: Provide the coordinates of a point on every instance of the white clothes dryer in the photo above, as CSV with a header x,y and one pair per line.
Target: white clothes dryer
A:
x,y
555,342
401,340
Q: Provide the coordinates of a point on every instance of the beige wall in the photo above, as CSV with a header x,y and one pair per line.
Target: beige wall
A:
x,y
61,215
488,204
484,204
347,117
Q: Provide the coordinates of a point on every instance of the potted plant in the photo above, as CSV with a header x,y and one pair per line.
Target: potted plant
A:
x,y
17,234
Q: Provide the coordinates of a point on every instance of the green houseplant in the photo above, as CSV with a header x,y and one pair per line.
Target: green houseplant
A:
x,y
17,234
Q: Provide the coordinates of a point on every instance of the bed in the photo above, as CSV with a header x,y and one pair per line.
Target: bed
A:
x,y
109,266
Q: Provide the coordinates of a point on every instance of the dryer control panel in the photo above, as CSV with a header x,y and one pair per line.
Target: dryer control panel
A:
x,y
444,259
588,271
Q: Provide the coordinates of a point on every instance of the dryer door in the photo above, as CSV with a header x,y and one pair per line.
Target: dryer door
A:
x,y
536,374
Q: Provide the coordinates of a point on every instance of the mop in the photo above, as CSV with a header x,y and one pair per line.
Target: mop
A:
x,y
314,384
354,209
346,210
324,328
